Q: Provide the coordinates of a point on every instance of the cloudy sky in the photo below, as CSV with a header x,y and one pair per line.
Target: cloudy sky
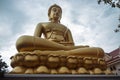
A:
x,y
90,23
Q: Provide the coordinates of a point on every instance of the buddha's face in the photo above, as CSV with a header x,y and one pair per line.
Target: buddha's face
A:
x,y
55,13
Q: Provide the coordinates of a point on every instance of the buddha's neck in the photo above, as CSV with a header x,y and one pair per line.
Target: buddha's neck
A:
x,y
55,21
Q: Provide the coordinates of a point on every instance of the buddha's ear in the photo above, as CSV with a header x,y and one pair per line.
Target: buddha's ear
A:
x,y
59,19
49,19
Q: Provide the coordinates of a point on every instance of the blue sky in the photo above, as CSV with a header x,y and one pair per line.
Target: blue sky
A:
x,y
91,24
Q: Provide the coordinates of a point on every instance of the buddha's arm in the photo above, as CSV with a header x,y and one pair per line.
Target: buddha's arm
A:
x,y
69,38
38,30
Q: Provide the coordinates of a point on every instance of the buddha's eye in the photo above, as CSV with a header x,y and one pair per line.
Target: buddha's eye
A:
x,y
54,9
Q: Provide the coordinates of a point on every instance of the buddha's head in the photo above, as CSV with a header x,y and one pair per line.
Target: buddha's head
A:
x,y
55,13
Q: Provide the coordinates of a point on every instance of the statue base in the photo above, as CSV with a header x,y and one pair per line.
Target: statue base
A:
x,y
58,77
40,63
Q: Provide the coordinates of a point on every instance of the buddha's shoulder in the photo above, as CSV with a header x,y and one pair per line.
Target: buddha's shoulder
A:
x,y
50,24
43,23
63,25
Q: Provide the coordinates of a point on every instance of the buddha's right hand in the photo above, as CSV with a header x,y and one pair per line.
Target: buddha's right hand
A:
x,y
81,46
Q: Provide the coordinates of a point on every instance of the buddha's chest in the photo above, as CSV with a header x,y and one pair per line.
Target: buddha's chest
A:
x,y
54,32
54,28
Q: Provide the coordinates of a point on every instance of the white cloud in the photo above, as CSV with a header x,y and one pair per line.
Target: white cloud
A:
x,y
5,30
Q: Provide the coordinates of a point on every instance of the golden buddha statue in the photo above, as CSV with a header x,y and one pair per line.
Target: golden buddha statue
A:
x,y
55,53
57,37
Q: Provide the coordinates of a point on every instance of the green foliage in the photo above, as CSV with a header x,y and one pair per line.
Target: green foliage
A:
x,y
118,28
112,3
3,66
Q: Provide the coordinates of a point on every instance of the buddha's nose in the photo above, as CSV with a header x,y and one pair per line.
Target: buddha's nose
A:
x,y
57,13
